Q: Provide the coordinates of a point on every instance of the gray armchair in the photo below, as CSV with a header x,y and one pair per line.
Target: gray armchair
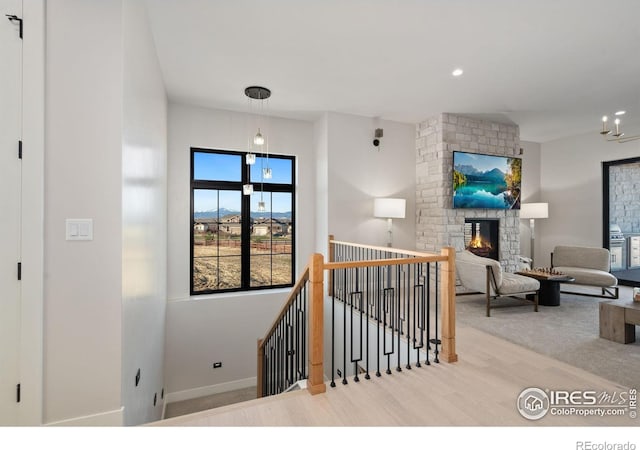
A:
x,y
485,275
589,266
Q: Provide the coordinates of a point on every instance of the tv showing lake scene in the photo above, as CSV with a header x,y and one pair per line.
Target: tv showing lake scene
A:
x,y
486,181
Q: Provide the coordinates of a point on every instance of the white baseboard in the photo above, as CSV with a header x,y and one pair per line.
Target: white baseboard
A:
x,y
113,418
203,391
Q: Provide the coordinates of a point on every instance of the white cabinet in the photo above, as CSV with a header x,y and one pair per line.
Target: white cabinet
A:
x,y
634,251
616,257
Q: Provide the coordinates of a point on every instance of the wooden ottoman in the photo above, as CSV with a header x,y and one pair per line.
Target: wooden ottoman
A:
x,y
618,320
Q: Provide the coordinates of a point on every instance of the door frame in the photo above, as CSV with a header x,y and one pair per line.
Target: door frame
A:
x,y
33,139
606,210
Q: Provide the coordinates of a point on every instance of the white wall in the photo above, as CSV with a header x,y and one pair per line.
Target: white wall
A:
x,y
83,179
321,142
358,172
144,220
530,193
571,182
223,327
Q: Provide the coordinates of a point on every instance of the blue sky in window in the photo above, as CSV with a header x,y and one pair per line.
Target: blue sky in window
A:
x,y
280,169
215,166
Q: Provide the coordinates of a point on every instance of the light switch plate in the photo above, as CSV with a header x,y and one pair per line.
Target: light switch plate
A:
x,y
79,229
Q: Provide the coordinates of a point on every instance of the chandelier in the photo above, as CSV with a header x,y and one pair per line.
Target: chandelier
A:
x,y
617,136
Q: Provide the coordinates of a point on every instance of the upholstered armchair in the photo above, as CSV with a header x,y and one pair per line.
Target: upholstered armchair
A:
x,y
485,275
589,266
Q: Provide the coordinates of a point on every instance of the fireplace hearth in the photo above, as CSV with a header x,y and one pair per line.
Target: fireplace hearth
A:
x,y
481,237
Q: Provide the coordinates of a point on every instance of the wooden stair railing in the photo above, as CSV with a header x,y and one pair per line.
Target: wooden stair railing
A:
x,y
282,383
308,296
447,287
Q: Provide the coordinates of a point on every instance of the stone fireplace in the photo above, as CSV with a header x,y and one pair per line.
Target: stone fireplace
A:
x,y
437,223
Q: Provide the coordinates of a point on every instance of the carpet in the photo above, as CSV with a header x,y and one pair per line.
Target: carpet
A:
x,y
193,405
569,333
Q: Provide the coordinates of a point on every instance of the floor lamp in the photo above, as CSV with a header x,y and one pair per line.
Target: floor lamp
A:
x,y
389,208
533,211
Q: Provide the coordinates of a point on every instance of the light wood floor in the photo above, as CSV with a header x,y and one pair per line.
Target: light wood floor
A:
x,y
480,389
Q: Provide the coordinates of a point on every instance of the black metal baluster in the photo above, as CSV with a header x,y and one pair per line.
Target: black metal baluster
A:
x,y
265,372
299,331
371,285
407,309
290,356
378,314
288,344
304,333
436,340
275,362
398,321
420,305
272,367
356,295
283,357
344,338
280,360
428,312
368,272
333,329
389,295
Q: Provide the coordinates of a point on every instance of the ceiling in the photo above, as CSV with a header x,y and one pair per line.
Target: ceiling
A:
x,y
553,67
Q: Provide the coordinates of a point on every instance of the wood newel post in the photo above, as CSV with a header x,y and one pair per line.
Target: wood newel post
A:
x,y
448,294
260,382
315,383
331,258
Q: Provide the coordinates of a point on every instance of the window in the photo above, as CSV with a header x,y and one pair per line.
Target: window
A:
x,y
235,245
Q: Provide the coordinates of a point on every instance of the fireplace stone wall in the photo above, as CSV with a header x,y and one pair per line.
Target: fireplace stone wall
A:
x,y
437,223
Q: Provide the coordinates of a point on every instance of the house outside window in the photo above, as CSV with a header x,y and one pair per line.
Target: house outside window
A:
x,y
235,245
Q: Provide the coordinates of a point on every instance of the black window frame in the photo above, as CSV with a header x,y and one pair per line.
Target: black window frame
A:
x,y
245,212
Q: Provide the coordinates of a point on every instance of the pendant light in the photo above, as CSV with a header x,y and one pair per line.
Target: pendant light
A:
x,y
261,205
259,140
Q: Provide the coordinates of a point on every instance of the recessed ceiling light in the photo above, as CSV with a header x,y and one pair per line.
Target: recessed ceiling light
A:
x,y
619,113
457,72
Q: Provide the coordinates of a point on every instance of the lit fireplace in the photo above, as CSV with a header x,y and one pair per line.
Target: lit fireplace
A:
x,y
479,246
481,237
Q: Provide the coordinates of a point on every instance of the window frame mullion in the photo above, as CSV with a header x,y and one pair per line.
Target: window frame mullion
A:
x,y
245,218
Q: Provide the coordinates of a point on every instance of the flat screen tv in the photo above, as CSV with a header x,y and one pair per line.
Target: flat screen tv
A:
x,y
486,181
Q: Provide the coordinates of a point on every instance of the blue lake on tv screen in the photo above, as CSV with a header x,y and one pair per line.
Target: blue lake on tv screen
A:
x,y
480,195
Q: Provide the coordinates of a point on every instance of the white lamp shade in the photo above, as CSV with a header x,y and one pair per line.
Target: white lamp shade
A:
x,y
389,208
534,211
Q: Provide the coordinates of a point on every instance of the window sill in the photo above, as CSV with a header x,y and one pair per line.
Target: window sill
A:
x,y
237,294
